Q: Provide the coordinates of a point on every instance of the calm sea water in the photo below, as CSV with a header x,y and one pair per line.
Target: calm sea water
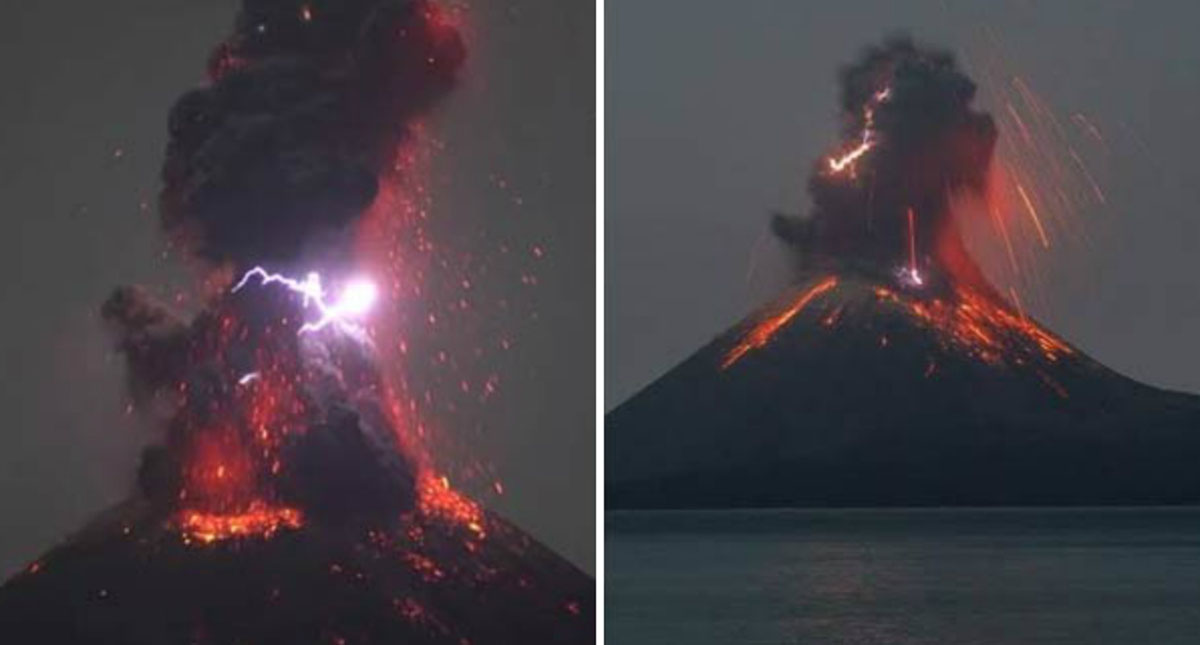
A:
x,y
904,576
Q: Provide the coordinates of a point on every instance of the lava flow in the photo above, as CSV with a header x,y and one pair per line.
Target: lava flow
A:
x,y
762,332
976,324
257,520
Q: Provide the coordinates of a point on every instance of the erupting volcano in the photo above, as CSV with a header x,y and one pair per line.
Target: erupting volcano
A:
x,y
893,372
293,498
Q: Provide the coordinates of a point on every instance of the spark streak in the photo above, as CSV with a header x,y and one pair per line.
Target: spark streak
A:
x,y
1037,222
912,248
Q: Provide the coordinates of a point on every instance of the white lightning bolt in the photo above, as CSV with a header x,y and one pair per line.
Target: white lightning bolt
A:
x,y
356,297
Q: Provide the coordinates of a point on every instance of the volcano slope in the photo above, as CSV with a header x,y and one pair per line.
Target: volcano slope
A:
x,y
129,578
854,390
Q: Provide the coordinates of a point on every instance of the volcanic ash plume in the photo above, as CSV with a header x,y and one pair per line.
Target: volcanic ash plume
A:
x,y
912,139
273,406
307,105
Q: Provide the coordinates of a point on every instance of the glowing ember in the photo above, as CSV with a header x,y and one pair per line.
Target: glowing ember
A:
x,y
1044,203
1033,214
356,298
981,327
258,520
762,333
438,499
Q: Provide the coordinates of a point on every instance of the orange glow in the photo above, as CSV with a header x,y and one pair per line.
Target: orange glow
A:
x,y
437,499
984,329
394,238
1045,202
1037,221
258,520
761,333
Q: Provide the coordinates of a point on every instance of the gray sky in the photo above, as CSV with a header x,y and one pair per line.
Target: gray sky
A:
x,y
84,79
715,111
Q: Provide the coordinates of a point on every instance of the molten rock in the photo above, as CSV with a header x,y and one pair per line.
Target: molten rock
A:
x,y
128,578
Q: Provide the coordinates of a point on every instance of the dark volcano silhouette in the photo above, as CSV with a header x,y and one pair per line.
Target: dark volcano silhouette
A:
x,y
128,578
874,394
894,373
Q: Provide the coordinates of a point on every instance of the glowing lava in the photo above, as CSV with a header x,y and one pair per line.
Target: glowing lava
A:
x,y
438,499
762,332
259,520
984,329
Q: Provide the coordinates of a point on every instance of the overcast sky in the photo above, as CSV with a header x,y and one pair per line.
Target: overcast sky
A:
x,y
715,111
85,80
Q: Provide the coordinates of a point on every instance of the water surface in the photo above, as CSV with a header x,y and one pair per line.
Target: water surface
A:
x,y
904,576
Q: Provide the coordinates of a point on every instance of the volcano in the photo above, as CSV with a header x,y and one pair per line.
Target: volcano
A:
x,y
871,395
893,372
129,578
291,494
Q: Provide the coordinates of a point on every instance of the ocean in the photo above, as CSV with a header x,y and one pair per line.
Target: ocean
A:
x,y
1028,576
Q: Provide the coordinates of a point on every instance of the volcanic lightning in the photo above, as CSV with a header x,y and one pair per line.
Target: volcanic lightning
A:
x,y
928,157
355,299
867,139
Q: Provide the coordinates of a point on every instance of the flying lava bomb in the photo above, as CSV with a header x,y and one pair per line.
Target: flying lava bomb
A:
x,y
291,497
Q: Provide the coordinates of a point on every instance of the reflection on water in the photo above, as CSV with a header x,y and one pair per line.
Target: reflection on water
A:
x,y
904,576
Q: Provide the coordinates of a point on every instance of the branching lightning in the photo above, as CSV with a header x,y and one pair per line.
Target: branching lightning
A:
x,y
355,299
868,138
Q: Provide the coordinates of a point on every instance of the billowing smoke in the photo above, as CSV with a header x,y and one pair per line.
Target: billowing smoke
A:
x,y
911,139
308,102
270,165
